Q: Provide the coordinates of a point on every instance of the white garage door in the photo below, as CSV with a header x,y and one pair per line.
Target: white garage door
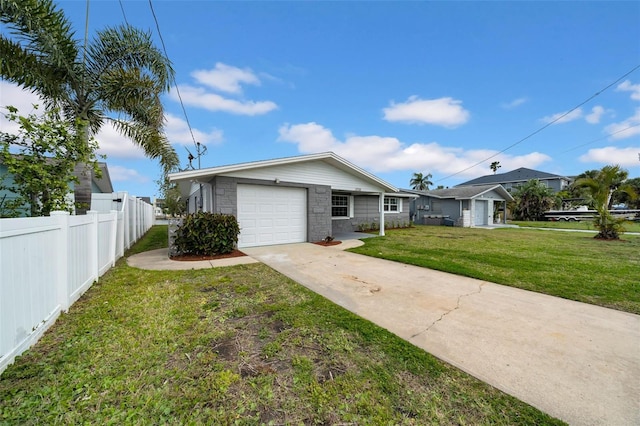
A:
x,y
482,208
271,215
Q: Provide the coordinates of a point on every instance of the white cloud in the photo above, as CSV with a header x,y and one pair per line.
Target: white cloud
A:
x,y
563,117
113,144
626,157
387,154
625,129
177,132
14,95
626,86
226,78
596,113
199,97
123,174
514,103
445,112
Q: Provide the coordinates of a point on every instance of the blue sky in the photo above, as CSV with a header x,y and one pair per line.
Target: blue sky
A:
x,y
394,87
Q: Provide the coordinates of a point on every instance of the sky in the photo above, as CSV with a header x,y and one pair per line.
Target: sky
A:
x,y
444,88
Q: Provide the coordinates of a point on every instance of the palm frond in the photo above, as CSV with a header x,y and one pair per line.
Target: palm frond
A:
x,y
152,140
43,32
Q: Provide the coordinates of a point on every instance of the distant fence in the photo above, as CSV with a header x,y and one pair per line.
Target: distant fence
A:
x,y
47,263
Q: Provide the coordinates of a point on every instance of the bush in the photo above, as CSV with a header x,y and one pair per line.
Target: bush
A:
x,y
207,234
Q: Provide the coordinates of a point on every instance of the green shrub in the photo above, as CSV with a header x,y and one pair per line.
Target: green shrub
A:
x,y
207,234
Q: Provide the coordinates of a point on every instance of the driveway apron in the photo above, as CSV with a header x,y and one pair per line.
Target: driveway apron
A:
x,y
574,361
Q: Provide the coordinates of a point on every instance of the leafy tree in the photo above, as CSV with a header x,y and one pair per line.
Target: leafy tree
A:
x,y
174,205
495,166
117,77
531,200
421,182
39,162
608,181
624,198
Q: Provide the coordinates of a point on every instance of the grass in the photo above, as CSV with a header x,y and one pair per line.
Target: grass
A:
x,y
586,225
572,265
237,345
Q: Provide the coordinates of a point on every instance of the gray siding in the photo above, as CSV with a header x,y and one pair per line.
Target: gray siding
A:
x,y
366,213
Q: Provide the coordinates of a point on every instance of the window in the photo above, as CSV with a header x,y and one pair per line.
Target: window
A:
x,y
392,204
340,205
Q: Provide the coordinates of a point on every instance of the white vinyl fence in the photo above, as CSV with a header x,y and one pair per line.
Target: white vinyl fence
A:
x,y
47,263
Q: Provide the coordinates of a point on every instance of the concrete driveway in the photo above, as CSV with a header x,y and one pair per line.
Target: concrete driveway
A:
x,y
574,361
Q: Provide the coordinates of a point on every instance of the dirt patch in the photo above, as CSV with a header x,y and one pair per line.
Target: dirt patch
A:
x,y
195,257
328,243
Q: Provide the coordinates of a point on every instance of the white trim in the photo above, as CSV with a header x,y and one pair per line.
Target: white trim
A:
x,y
329,157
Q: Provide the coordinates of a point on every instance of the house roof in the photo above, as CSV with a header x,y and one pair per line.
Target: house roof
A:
x,y
518,175
465,192
104,183
186,177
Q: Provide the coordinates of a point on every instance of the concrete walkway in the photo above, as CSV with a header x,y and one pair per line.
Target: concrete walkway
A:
x,y
574,361
158,260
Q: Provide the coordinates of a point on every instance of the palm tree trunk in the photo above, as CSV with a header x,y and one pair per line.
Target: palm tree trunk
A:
x,y
83,171
82,188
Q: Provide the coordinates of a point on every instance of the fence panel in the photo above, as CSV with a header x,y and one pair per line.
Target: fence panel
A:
x,y
29,304
82,265
47,263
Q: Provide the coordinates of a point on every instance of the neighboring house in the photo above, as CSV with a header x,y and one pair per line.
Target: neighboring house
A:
x,y
294,199
518,177
98,185
466,206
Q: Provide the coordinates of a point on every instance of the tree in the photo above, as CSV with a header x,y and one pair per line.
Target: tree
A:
x,y
624,198
39,162
531,200
117,77
608,181
495,166
174,205
421,182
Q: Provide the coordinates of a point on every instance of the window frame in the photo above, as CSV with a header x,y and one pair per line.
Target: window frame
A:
x,y
387,205
346,206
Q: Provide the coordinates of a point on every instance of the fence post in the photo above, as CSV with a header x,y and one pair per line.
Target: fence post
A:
x,y
113,244
93,244
61,277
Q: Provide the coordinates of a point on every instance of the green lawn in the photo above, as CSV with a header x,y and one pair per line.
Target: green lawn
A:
x,y
572,265
583,225
237,345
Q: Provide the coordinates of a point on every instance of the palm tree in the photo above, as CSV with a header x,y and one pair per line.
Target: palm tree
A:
x,y
117,77
531,200
421,182
607,181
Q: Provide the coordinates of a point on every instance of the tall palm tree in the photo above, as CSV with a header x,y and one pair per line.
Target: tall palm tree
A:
x,y
421,182
606,182
117,77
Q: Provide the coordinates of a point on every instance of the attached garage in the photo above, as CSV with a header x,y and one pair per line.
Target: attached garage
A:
x,y
290,200
271,215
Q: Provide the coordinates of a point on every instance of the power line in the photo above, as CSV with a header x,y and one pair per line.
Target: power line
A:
x,y
123,14
545,126
601,138
184,111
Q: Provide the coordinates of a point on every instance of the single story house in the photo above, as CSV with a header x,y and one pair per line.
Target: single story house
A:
x,y
518,177
294,199
101,185
466,206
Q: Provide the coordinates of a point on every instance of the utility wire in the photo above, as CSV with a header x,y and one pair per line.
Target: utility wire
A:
x,y
599,139
543,127
184,111
123,14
